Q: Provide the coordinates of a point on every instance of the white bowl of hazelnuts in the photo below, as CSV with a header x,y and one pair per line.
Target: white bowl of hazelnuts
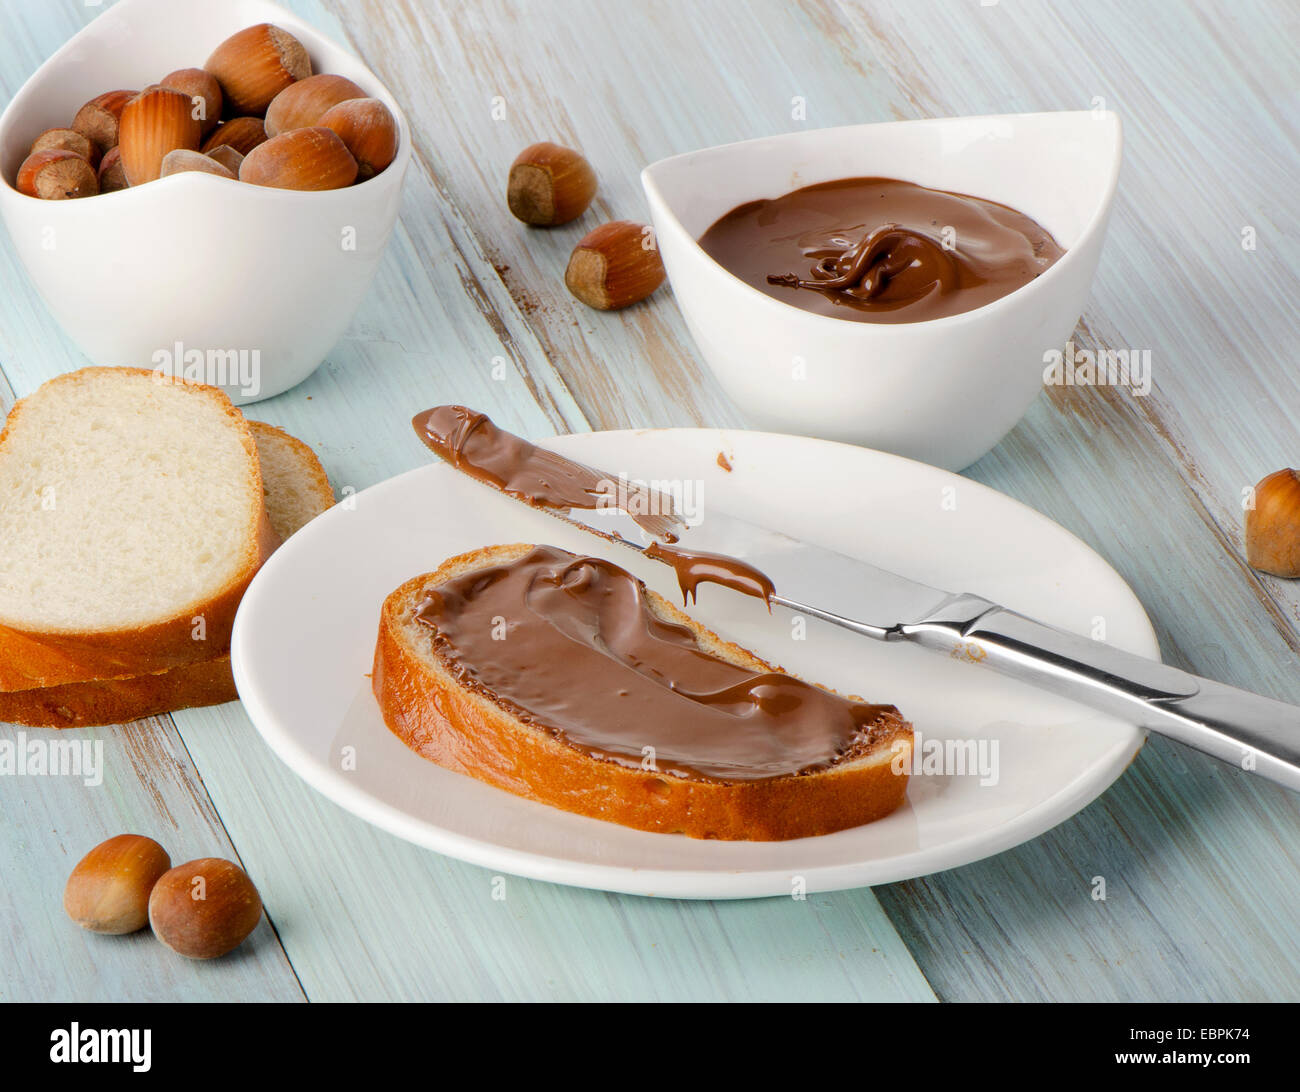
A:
x,y
204,189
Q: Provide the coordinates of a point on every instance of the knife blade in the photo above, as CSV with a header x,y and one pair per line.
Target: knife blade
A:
x,y
869,600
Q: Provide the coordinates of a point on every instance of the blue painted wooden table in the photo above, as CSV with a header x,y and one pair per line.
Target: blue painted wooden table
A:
x,y
1202,863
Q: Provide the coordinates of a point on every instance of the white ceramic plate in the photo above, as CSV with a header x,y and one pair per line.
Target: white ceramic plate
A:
x,y
304,640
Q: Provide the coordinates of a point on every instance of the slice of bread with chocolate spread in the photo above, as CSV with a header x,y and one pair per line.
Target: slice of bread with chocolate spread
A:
x,y
564,680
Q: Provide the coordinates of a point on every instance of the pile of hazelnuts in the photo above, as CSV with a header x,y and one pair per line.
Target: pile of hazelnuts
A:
x,y
254,112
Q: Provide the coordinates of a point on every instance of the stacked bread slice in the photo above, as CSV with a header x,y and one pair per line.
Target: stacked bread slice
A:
x,y
134,511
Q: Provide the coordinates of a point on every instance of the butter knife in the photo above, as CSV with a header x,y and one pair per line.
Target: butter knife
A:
x,y
1246,730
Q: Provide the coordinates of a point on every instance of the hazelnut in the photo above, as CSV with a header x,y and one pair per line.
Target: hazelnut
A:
x,y
549,185
369,130
228,157
157,121
184,161
301,159
242,134
56,175
615,266
205,908
1273,525
98,119
204,93
108,891
304,103
255,65
67,140
112,177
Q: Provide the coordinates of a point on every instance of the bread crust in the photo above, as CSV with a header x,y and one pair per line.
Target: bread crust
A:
x,y
45,658
118,701
316,481
466,732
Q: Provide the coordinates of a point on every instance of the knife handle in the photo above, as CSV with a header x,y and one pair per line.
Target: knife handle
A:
x,y
1244,729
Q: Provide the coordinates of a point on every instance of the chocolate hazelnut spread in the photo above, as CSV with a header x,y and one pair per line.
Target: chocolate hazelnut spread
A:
x,y
881,250
696,567
571,645
475,446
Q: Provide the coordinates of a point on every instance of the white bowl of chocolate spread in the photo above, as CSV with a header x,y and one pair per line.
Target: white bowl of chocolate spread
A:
x,y
900,285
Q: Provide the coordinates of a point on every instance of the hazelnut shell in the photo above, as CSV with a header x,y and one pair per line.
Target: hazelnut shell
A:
x,y
68,140
256,64
111,175
613,267
208,919
242,134
98,119
301,159
204,92
1273,525
108,891
549,185
157,121
56,175
368,129
304,103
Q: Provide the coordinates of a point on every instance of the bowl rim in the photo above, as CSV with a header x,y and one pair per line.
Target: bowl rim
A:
x,y
790,313
124,11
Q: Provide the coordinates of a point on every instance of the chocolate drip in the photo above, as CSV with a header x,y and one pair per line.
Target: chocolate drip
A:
x,y
696,567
